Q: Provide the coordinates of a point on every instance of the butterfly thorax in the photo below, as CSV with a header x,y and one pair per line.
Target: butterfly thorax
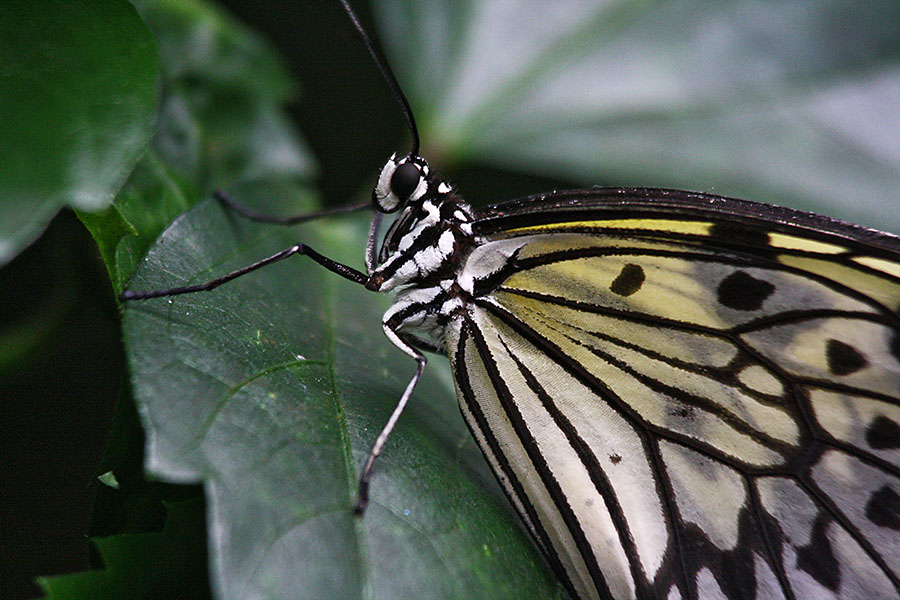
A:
x,y
421,256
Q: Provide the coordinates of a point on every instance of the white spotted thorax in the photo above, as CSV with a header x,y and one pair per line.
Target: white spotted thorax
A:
x,y
424,249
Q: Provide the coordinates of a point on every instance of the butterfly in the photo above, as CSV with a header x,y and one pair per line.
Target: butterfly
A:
x,y
683,395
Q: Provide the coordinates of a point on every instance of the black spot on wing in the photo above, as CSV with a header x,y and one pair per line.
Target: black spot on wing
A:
x,y
731,233
883,433
883,508
685,412
628,281
843,359
742,291
615,459
817,557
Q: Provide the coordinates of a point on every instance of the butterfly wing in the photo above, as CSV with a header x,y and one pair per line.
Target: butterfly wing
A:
x,y
687,396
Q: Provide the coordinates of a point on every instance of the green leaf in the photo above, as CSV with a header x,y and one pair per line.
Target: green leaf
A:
x,y
221,121
792,103
222,118
273,388
152,198
161,565
78,88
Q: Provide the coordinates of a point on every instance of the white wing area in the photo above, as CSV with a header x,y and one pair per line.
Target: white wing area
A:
x,y
672,422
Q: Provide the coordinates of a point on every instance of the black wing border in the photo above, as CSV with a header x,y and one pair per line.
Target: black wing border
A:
x,y
625,202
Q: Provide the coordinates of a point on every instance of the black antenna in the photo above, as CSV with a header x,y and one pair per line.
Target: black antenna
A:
x,y
388,77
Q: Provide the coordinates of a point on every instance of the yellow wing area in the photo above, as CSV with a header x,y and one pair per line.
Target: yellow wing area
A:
x,y
676,414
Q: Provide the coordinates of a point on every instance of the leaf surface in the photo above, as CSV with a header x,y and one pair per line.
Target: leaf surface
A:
x,y
78,91
272,388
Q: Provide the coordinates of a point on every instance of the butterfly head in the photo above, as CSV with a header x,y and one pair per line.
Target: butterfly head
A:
x,y
402,180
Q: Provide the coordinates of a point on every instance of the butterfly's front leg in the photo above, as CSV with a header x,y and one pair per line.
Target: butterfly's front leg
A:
x,y
297,249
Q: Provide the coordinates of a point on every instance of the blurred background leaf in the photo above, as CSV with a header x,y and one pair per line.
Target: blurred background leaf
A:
x,y
78,89
221,120
794,103
160,565
222,115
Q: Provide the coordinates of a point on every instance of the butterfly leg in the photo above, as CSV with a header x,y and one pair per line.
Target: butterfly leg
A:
x,y
298,249
390,325
252,215
391,330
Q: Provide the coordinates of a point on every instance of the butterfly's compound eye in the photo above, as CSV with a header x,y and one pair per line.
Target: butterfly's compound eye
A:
x,y
401,180
405,180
